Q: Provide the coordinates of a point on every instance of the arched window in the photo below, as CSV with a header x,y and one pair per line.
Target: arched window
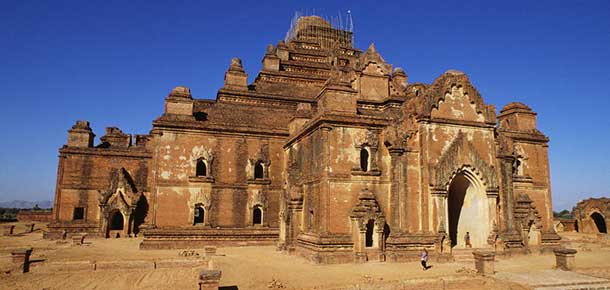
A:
x,y
258,170
202,169
257,216
199,215
364,159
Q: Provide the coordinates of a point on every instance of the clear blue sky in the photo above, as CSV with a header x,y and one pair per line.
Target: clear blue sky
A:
x,y
113,62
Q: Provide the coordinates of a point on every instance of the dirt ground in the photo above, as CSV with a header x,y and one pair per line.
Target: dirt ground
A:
x,y
266,268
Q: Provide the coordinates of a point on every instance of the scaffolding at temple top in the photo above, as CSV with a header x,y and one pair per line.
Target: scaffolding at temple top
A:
x,y
327,33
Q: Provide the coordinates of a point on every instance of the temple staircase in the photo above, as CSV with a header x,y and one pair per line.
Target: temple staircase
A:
x,y
463,255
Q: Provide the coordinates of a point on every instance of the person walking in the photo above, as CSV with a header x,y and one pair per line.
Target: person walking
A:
x,y
467,240
424,259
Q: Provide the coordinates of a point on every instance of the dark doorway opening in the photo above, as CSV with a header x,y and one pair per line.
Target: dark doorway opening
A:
x,y
258,170
369,233
364,159
199,217
79,213
311,220
201,168
599,222
457,193
116,222
257,216
139,215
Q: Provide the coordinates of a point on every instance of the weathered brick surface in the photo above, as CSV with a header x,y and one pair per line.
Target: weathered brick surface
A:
x,y
565,259
34,215
331,153
592,215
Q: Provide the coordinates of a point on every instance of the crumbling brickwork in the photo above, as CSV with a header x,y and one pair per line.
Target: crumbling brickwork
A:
x,y
592,215
330,153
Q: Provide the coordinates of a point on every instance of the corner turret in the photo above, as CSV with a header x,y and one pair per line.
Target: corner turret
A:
x,y
179,102
235,77
80,135
271,62
517,117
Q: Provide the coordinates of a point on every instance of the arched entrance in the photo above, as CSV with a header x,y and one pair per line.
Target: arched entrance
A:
x,y
199,215
468,211
368,227
364,160
116,221
115,225
257,216
600,222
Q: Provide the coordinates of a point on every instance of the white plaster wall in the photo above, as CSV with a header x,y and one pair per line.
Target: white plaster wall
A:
x,y
474,218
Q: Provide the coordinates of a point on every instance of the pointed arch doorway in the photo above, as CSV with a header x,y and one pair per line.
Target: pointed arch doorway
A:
x,y
468,211
600,222
115,225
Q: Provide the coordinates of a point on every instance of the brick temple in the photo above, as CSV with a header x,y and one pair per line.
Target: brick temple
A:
x,y
330,154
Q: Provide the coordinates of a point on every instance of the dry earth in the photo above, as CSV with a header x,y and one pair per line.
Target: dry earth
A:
x,y
265,268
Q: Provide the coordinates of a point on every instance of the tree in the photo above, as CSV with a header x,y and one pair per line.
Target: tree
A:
x,y
564,214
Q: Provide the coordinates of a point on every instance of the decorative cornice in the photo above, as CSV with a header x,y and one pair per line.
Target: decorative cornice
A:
x,y
335,119
130,152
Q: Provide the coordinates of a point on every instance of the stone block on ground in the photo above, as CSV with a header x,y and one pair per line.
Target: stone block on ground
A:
x,y
209,279
8,230
564,259
484,262
21,259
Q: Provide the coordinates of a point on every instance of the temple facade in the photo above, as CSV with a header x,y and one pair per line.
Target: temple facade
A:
x,y
330,154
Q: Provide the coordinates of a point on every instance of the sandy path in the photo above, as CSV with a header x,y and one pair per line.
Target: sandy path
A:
x,y
255,267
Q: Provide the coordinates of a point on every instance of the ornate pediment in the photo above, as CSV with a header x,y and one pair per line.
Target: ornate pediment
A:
x,y
204,199
122,193
394,137
372,62
367,209
199,152
446,85
261,157
462,154
258,198
369,138
526,213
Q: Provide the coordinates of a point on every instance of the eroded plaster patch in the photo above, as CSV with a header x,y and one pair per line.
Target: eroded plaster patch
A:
x,y
165,174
